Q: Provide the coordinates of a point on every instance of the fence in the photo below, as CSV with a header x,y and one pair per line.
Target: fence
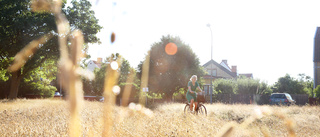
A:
x,y
301,99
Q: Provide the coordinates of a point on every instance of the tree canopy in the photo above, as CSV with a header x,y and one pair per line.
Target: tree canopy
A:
x,y
301,85
19,26
170,71
289,85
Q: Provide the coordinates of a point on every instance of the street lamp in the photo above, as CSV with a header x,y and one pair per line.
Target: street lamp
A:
x,y
208,25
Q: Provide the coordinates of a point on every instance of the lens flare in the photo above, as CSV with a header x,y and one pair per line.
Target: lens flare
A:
x,y
114,65
171,48
132,106
138,107
113,37
116,90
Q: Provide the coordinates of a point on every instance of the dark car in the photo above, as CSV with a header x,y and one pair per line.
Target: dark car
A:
x,y
94,98
281,99
57,95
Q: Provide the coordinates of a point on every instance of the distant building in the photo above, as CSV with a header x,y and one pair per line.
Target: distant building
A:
x,y
216,71
248,75
316,58
94,64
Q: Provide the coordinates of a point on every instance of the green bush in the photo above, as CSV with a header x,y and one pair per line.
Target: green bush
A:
x,y
316,92
241,85
264,88
224,86
247,86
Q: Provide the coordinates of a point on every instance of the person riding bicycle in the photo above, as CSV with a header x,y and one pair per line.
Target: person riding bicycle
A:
x,y
193,85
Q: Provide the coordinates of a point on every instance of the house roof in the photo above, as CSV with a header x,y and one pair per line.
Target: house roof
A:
x,y
221,67
98,64
225,64
248,75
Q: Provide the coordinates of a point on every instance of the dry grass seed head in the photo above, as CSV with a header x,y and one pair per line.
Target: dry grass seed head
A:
x,y
227,130
41,5
21,58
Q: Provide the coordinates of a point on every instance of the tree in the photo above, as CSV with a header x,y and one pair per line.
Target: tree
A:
x,y
19,26
316,92
289,85
242,85
264,88
247,86
39,80
224,86
307,83
95,87
168,71
81,17
4,78
127,71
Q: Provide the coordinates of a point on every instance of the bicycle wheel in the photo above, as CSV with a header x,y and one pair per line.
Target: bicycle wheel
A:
x,y
187,108
202,110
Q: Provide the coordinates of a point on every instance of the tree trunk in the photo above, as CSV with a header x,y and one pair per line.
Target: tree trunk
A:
x,y
168,98
15,83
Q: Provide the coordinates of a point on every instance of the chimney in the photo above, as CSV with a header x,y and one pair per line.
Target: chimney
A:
x,y
99,60
225,61
234,69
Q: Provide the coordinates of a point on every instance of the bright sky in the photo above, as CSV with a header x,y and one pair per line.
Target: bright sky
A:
x,y
266,38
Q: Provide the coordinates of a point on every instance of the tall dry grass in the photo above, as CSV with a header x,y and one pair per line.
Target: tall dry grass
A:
x,y
50,118
70,47
77,118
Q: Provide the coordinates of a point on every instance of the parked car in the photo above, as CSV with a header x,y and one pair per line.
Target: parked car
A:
x,y
57,95
100,98
94,98
281,99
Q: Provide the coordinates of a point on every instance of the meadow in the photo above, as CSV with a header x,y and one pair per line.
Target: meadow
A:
x,y
46,117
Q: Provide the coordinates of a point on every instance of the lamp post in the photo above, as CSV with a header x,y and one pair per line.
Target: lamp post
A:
x,y
209,26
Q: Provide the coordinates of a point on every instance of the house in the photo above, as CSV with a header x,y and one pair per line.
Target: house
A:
x,y
94,64
247,75
216,71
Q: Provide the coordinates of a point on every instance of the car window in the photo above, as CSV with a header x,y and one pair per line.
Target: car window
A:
x,y
288,96
278,96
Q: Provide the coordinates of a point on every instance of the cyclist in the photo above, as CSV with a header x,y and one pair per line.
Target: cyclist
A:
x,y
193,85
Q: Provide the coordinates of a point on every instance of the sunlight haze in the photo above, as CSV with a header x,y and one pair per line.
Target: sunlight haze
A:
x,y
265,38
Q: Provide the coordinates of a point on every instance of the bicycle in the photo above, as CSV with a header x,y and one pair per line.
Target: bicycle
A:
x,y
201,109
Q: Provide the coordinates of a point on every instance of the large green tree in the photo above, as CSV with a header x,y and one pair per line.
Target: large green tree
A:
x,y
19,26
168,71
289,85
